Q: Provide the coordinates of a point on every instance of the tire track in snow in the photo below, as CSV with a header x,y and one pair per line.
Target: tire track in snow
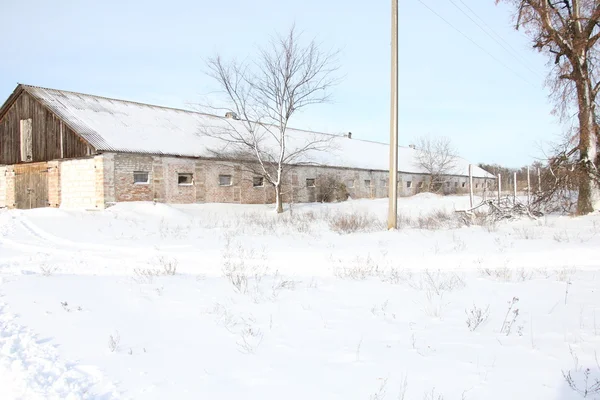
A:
x,y
79,255
69,245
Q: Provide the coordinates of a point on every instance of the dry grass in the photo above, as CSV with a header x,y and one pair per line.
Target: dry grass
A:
x,y
355,222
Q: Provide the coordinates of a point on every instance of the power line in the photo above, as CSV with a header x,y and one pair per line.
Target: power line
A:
x,y
475,43
510,51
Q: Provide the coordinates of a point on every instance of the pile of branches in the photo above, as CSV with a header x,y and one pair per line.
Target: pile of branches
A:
x,y
505,208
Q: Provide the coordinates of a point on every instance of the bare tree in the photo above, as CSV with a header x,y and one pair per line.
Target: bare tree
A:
x,y
568,31
438,158
262,97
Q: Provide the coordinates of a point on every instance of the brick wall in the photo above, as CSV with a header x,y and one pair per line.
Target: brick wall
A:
x,y
117,181
78,184
97,182
124,166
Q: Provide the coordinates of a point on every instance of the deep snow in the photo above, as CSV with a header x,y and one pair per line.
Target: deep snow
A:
x,y
315,314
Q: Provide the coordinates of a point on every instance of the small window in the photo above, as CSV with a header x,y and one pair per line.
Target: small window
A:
x,y
447,184
26,140
367,183
455,184
224,180
185,179
350,183
310,182
258,181
464,184
409,184
477,186
141,177
420,185
384,182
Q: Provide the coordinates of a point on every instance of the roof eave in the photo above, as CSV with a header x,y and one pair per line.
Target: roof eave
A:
x,y
11,100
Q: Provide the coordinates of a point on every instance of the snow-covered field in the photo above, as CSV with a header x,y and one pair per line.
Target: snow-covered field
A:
x,y
217,301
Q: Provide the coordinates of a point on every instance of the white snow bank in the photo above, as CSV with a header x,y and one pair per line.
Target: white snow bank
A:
x,y
315,314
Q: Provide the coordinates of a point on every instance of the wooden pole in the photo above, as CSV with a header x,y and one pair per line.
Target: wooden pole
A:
x,y
471,184
499,186
515,188
528,187
539,181
393,189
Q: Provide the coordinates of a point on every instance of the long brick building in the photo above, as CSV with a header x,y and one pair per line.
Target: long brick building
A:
x,y
74,150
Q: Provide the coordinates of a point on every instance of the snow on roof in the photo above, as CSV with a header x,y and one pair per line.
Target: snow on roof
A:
x,y
112,125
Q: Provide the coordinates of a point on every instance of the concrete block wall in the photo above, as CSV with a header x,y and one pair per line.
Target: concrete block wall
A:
x,y
7,186
78,184
54,185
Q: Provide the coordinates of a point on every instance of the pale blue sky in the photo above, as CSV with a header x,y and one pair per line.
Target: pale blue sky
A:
x,y
153,51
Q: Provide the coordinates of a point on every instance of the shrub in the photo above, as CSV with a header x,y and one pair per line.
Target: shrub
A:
x,y
355,222
331,189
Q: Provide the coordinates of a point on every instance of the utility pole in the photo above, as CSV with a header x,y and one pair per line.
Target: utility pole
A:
x,y
393,186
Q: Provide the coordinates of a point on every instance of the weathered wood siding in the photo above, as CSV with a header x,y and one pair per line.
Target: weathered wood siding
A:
x,y
46,131
31,185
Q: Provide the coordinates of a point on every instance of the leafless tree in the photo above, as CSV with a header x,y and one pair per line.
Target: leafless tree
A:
x,y
262,96
438,158
568,32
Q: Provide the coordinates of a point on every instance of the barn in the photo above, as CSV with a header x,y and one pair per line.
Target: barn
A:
x,y
74,150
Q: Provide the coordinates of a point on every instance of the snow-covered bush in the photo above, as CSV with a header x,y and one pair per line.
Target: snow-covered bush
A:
x,y
113,341
476,316
359,268
355,222
585,381
438,281
169,265
146,275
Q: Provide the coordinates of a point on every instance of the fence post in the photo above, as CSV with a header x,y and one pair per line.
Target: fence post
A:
x,y
499,187
471,184
528,187
515,188
539,181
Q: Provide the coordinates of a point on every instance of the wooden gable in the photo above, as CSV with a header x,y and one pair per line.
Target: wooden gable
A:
x,y
48,137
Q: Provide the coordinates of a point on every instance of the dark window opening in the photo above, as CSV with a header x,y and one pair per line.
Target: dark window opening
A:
x,y
258,181
185,179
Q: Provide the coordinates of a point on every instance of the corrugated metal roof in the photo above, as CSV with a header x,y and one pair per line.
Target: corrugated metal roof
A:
x,y
111,125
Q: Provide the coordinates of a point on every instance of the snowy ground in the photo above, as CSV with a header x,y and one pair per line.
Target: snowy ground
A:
x,y
267,307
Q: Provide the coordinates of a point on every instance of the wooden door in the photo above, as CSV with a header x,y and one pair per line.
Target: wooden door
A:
x,y
31,185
